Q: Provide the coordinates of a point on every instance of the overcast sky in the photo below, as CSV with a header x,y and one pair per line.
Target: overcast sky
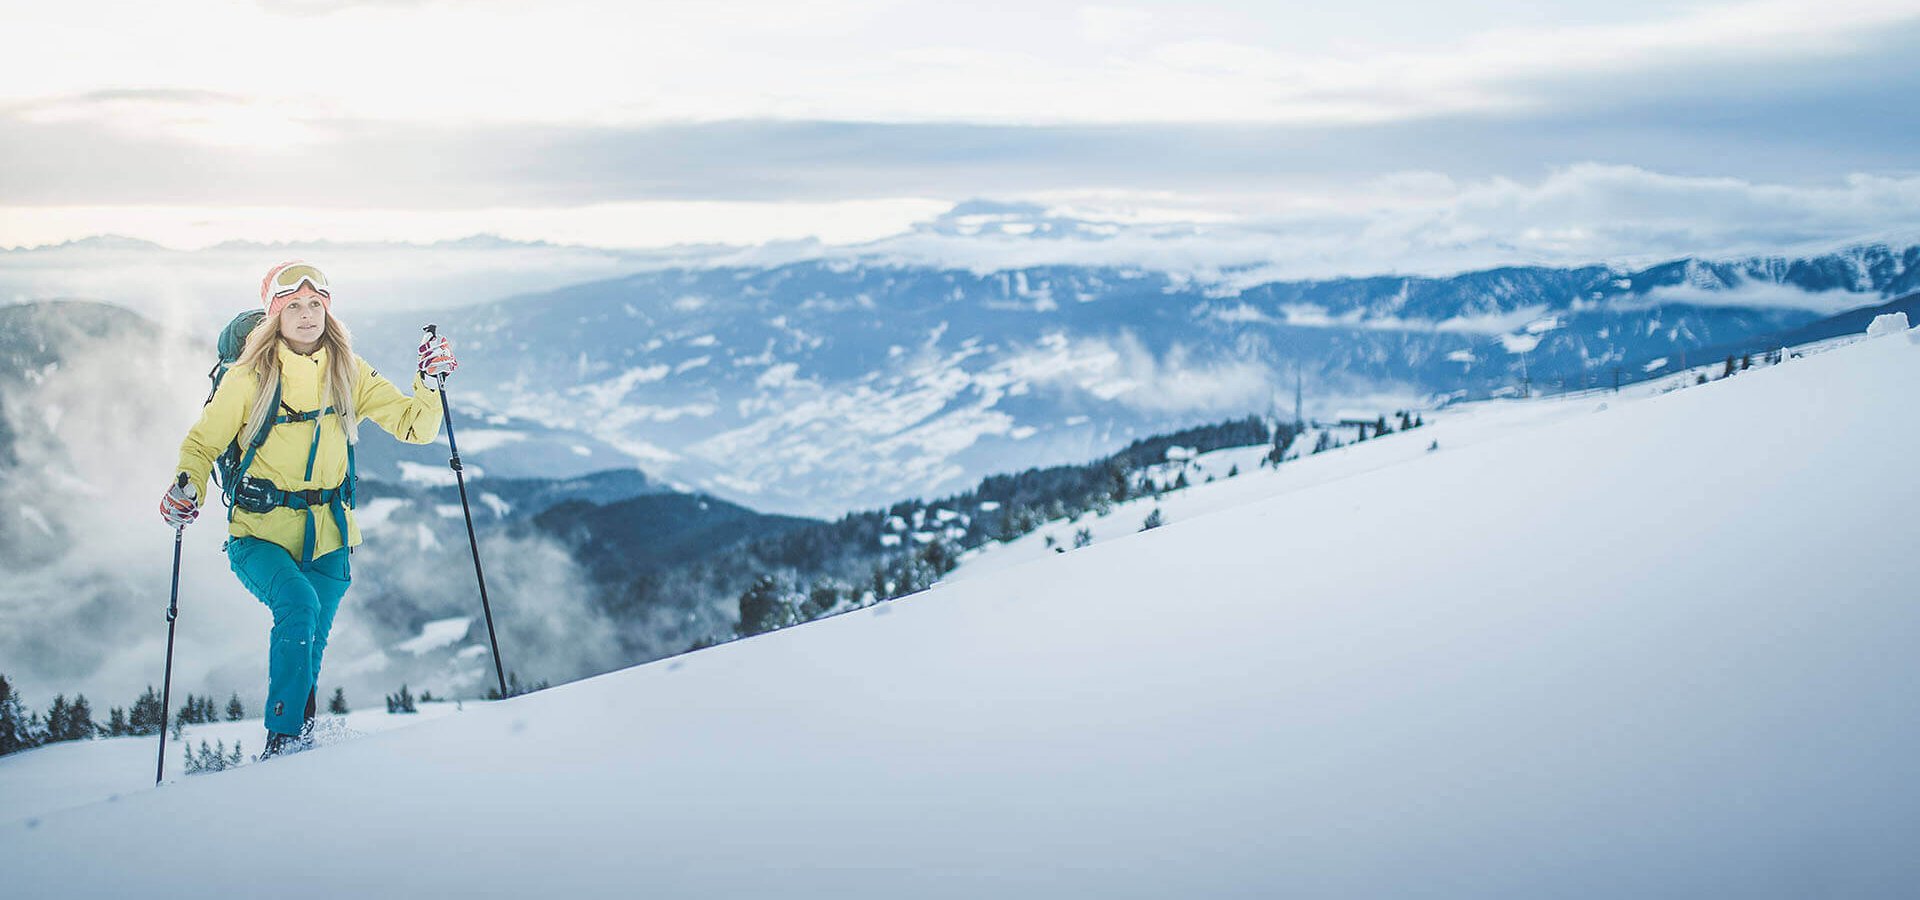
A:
x,y
1551,129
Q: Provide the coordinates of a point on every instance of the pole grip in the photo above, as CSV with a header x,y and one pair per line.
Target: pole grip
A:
x,y
179,531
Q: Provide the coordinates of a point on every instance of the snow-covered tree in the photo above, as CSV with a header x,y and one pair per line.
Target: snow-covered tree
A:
x,y
764,607
822,597
338,705
16,732
235,712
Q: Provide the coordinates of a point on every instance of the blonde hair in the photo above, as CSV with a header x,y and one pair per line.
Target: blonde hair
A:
x,y
261,355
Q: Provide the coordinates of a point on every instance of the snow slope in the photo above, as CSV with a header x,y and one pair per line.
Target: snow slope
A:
x,y
65,775
1663,649
1449,428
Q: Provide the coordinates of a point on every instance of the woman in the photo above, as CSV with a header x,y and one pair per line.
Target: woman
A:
x,y
291,499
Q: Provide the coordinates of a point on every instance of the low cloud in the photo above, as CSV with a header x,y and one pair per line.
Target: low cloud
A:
x,y
87,561
1755,295
1122,369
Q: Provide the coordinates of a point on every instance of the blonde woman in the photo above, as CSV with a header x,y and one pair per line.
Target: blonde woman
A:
x,y
282,424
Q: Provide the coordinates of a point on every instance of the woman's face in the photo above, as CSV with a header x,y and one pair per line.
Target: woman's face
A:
x,y
304,319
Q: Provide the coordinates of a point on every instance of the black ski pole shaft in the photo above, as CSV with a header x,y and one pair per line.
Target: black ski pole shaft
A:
x,y
166,681
473,543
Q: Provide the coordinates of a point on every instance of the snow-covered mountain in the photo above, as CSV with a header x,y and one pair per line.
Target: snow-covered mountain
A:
x,y
819,386
1647,644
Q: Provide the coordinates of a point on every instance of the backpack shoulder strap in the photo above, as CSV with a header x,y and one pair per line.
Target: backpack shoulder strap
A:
x,y
246,459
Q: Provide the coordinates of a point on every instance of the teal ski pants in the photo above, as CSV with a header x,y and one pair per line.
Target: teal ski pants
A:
x,y
303,598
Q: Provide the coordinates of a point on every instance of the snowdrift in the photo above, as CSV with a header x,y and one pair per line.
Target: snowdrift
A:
x,y
1658,649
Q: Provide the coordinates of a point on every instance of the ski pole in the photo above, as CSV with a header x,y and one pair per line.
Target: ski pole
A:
x,y
173,611
460,478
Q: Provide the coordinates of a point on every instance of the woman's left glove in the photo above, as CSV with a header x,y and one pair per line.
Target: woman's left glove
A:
x,y
436,357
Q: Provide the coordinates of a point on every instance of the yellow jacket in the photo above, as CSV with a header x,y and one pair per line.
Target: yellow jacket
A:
x,y
283,458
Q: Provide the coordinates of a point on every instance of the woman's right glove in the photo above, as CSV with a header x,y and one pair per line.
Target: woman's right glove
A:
x,y
179,506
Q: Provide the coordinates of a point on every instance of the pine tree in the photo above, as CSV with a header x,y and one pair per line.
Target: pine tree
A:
x,y
1154,520
235,712
940,560
762,608
1082,538
80,725
401,702
147,716
821,599
212,759
16,733
59,720
514,688
117,722
1233,471
338,705
1119,485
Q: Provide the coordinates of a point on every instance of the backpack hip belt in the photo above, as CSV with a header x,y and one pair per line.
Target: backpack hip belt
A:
x,y
258,495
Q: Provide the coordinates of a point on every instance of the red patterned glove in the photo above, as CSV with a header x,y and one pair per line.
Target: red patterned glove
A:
x,y
179,506
436,357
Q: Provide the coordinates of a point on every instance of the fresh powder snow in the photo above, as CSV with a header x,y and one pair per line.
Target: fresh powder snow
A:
x,y
1660,648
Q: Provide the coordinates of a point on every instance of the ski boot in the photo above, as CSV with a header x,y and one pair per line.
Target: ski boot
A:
x,y
283,744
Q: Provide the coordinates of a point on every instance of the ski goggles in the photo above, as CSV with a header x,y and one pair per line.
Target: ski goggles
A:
x,y
289,278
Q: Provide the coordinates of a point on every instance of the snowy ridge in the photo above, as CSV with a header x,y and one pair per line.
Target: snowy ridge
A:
x,y
820,386
1657,649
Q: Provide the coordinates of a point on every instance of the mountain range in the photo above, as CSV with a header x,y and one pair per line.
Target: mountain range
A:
x,y
818,386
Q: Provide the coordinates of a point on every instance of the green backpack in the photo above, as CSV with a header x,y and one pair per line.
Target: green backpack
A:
x,y
227,470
